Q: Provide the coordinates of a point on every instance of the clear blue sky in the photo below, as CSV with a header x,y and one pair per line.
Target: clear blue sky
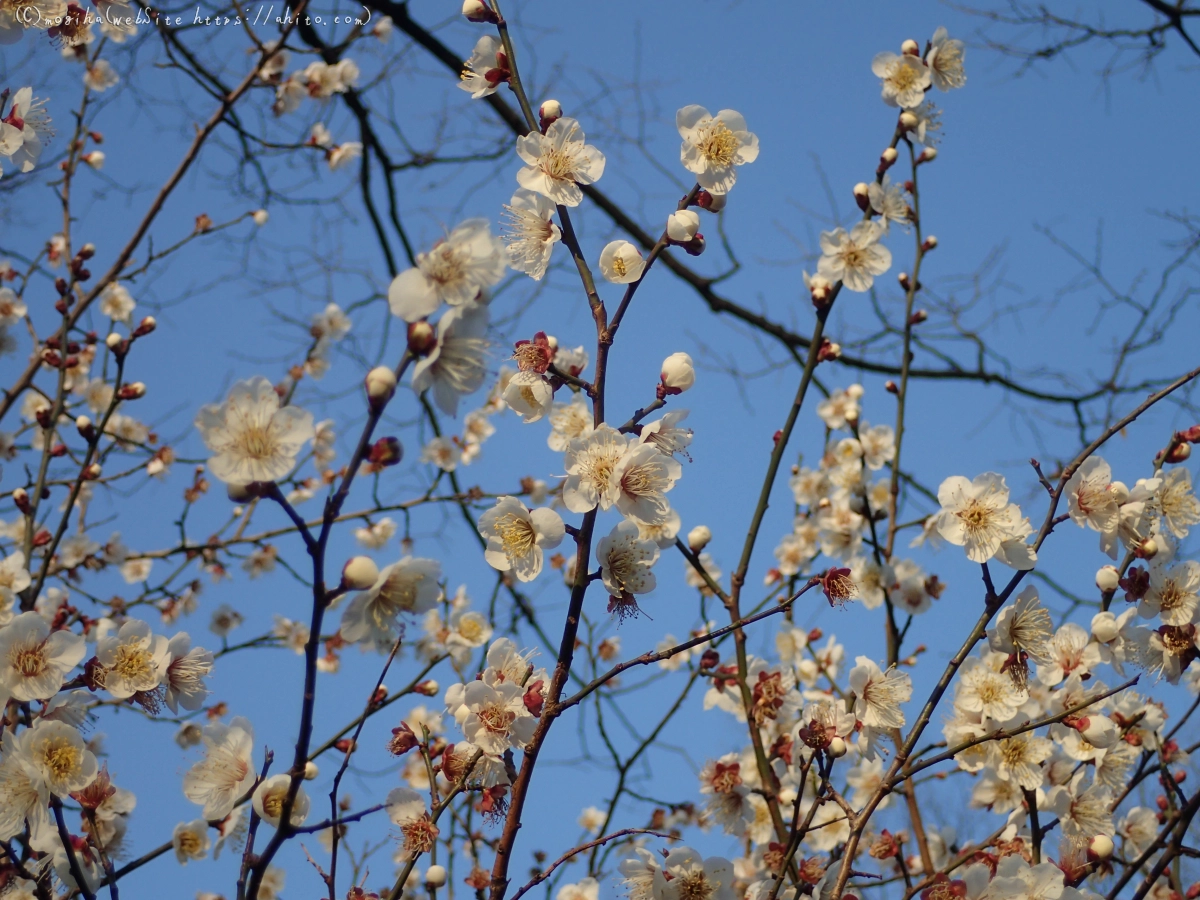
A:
x,y
1095,162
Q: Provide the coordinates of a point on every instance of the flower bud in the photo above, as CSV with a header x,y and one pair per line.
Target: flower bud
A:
x,y
421,338
548,113
479,11
113,341
359,573
310,770
714,203
239,493
699,537
887,158
891,387
1147,549
435,876
1099,731
929,243
20,497
910,48
86,430
387,451
695,246
147,325
92,472
1104,627
928,155
260,217
678,374
1107,578
135,390
381,384
1100,847
1179,453
427,688
903,279
95,159
709,659
862,195
837,748
682,226
908,120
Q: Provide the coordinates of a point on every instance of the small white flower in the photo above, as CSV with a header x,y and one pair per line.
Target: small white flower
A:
x,y
888,202
682,225
626,561
186,671
226,772
57,756
569,422
12,309
134,661
190,841
253,439
343,154
879,694
713,146
643,477
455,271
269,796
905,79
529,395
486,70
591,465
977,515
1173,593
443,452
529,233
409,586
34,661
945,61
517,537
557,162
854,258
621,263
496,718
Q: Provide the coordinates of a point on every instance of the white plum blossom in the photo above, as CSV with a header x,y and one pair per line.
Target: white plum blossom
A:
x,y
253,439
457,364
529,395
591,465
643,476
135,660
226,773
685,875
1173,594
518,537
24,130
854,257
905,78
945,61
455,271
269,797
57,757
34,661
529,233
714,146
621,263
407,587
569,421
190,841
116,302
558,162
486,70
976,515
879,694
496,717
626,560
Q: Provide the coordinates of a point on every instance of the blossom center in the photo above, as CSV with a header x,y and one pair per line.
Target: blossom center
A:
x,y
29,662
256,442
496,719
400,592
419,836
694,886
61,757
132,662
718,144
517,535
557,164
976,517
189,843
904,77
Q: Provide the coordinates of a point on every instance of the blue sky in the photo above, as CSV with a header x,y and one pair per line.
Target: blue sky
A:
x,y
1095,163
